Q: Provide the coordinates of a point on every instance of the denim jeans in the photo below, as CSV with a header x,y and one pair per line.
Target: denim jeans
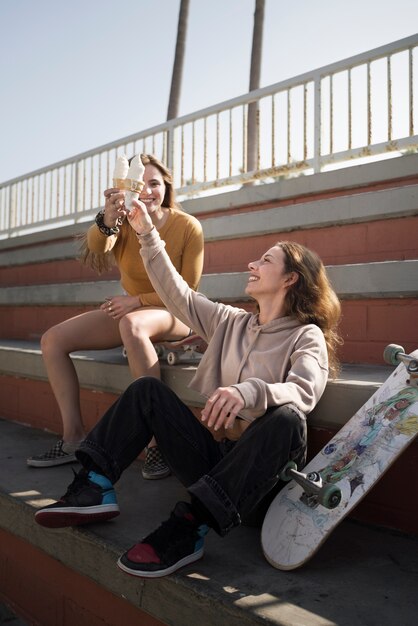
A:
x,y
226,479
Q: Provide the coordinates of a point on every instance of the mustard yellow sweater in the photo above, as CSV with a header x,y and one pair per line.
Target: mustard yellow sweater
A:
x,y
183,237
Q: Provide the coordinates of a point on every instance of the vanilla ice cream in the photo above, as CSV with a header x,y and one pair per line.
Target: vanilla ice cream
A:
x,y
121,170
134,180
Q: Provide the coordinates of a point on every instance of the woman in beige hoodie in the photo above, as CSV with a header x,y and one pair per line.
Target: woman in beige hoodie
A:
x,y
261,375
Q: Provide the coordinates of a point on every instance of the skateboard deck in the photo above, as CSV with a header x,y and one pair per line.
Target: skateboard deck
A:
x,y
189,349
298,520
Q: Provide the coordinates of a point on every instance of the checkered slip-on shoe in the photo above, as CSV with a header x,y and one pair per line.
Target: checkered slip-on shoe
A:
x,y
155,467
59,454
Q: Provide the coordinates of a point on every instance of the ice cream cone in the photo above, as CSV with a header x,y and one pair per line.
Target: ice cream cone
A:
x,y
134,181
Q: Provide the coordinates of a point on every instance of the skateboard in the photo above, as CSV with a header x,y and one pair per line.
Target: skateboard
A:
x,y
190,349
316,500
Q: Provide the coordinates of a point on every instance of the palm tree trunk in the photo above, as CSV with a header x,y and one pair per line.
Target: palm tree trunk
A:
x,y
174,100
255,72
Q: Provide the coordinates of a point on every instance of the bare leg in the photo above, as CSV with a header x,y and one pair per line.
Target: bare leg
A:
x,y
94,330
140,329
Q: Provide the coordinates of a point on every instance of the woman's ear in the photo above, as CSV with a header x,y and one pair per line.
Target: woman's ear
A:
x,y
291,279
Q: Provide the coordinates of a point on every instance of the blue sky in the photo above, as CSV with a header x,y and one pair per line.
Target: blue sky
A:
x,y
77,74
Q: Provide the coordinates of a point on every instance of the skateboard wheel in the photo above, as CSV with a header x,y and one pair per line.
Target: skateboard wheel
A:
x,y
285,474
330,496
390,353
172,358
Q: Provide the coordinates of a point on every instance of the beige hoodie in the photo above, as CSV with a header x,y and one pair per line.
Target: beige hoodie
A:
x,y
270,364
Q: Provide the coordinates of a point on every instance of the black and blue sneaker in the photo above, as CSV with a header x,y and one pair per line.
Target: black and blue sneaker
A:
x,y
90,498
176,543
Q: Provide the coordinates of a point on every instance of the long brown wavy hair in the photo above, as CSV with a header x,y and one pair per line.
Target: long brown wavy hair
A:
x,y
311,299
103,262
169,200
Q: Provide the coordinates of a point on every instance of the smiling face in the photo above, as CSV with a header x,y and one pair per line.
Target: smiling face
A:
x,y
268,275
152,195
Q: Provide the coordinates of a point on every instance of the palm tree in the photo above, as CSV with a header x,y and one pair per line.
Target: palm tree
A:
x,y
255,72
174,100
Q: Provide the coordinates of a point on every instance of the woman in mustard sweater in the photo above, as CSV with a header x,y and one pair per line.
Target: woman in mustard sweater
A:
x,y
136,319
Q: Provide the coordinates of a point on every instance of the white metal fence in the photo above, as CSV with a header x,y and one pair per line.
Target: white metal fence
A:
x,y
361,107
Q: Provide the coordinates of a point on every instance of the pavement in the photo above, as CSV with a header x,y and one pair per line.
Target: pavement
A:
x,y
361,576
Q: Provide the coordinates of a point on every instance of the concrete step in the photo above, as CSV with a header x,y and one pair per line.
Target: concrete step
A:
x,y
108,371
360,576
385,279
27,398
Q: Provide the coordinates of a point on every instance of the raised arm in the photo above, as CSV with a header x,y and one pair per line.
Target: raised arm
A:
x,y
184,245
182,301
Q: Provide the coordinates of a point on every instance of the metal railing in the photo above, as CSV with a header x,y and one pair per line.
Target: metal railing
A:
x,y
362,107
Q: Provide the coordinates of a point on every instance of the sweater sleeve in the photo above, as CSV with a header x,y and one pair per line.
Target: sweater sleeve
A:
x,y
305,381
98,242
191,263
191,307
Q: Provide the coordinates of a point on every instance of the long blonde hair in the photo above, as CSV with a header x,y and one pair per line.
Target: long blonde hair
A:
x,y
105,261
311,299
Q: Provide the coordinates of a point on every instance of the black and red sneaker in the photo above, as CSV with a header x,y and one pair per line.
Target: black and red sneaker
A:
x,y
89,498
176,543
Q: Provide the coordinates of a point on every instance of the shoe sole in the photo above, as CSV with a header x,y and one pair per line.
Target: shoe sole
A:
x,y
61,518
34,463
155,476
191,558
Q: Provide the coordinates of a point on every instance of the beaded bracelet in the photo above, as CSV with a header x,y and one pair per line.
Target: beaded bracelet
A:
x,y
99,219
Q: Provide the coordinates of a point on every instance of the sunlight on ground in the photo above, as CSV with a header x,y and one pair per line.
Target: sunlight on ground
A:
x,y
232,590
33,498
197,576
293,614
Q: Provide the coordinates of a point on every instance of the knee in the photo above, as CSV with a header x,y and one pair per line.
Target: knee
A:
x,y
131,331
148,395
291,415
146,385
50,340
285,419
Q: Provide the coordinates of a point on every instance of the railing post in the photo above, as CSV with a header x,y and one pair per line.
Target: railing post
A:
x,y
317,124
253,137
170,149
12,206
7,217
76,187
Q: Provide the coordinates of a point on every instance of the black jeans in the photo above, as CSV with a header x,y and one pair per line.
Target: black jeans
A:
x,y
228,479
